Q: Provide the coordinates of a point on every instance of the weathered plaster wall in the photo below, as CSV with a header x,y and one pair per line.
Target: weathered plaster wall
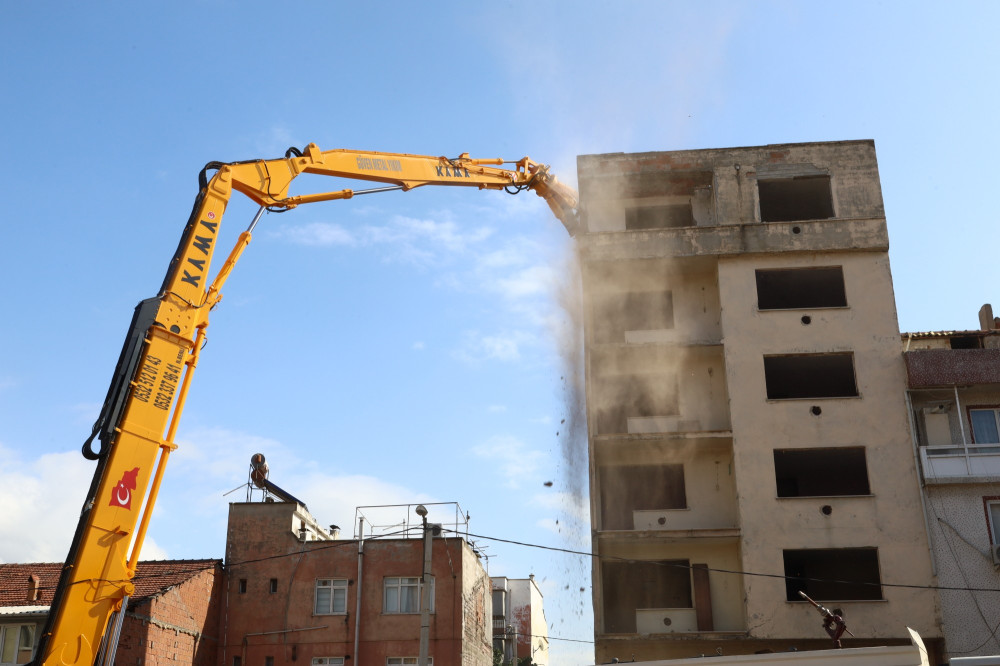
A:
x,y
960,534
891,518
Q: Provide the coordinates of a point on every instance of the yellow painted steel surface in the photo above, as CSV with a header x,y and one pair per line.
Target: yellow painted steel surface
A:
x,y
100,566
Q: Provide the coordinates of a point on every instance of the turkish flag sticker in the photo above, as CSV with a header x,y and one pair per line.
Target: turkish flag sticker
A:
x,y
121,494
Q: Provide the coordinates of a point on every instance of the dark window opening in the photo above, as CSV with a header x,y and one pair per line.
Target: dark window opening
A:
x,y
632,311
801,198
796,288
810,376
821,472
624,396
237,661
966,342
268,661
659,217
274,585
833,574
243,585
627,586
628,488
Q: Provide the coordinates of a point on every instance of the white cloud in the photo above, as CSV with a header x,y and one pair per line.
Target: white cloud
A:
x,y
496,409
418,345
477,347
532,281
318,234
406,239
41,500
515,461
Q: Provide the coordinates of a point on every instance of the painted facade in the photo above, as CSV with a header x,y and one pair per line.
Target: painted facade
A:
x,y
519,627
954,393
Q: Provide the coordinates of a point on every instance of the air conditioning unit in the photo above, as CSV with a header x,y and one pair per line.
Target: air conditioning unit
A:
x,y
995,548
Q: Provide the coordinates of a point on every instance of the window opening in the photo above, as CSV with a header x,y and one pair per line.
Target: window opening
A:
x,y
406,661
632,311
268,661
833,574
402,595
821,472
799,198
273,586
810,376
659,217
328,661
331,596
635,395
965,342
797,288
243,586
628,586
628,488
237,661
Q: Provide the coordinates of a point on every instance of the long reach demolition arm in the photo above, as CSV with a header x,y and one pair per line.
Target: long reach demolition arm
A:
x,y
139,419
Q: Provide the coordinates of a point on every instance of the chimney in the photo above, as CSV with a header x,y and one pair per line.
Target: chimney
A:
x,y
33,588
986,320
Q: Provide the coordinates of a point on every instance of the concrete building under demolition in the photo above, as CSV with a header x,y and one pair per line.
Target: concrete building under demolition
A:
x,y
746,407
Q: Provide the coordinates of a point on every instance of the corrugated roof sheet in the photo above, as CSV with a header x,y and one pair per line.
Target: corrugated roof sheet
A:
x,y
946,334
151,578
23,610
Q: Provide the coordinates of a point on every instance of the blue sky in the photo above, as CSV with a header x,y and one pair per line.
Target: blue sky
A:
x,y
406,347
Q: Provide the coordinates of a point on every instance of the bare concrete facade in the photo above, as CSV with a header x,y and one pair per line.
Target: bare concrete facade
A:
x,y
746,404
954,382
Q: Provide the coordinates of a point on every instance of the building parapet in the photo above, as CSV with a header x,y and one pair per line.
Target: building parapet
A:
x,y
952,367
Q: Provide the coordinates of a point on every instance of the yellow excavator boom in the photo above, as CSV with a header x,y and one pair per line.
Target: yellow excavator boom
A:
x,y
139,419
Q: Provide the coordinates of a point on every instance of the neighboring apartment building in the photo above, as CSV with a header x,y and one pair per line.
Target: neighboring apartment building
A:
x,y
746,404
172,617
296,595
954,393
519,627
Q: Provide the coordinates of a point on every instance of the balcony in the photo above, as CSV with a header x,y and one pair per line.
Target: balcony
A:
x,y
958,463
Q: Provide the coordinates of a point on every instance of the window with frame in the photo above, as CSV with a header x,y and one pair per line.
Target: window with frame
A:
x,y
328,661
406,661
985,428
402,595
993,516
331,596
17,642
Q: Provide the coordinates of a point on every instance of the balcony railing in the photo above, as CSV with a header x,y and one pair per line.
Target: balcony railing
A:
x,y
941,462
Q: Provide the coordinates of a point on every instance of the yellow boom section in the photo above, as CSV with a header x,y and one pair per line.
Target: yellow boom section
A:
x,y
144,404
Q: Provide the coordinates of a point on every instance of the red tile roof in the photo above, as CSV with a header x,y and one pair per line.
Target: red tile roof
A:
x,y
151,578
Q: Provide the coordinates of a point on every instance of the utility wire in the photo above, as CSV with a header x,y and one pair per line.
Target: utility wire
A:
x,y
729,571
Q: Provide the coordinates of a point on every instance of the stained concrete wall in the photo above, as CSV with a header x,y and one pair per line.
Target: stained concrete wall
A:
x,y
891,519
714,260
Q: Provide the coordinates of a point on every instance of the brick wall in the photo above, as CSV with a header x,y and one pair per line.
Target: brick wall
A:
x,y
177,627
